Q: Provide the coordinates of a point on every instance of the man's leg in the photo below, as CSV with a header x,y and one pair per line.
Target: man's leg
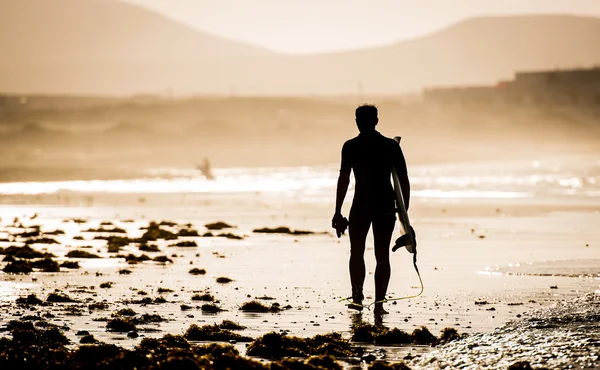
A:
x,y
358,229
382,235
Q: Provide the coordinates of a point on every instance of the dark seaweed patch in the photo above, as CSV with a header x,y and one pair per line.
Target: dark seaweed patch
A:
x,y
422,335
206,297
448,335
211,308
97,306
162,259
25,252
188,233
230,236
88,339
70,265
114,230
275,345
255,306
185,243
120,325
282,230
167,223
81,254
133,258
219,225
59,298
230,325
154,232
35,348
368,333
124,312
18,267
55,232
149,248
31,299
213,333
46,265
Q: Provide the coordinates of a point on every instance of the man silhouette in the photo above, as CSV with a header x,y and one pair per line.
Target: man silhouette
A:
x,y
371,156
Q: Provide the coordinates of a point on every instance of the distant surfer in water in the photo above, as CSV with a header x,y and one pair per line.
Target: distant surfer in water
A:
x,y
371,156
206,170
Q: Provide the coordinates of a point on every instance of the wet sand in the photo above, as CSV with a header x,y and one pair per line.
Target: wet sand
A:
x,y
470,257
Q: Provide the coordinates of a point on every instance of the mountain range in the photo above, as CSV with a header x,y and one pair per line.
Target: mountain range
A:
x,y
100,47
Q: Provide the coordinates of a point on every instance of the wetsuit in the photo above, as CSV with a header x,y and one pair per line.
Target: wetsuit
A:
x,y
371,156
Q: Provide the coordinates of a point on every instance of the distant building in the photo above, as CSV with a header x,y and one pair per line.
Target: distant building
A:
x,y
575,87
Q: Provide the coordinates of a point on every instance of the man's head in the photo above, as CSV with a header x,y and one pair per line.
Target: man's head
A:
x,y
366,117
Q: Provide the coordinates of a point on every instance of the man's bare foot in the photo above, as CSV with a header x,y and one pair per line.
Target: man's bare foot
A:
x,y
379,310
355,306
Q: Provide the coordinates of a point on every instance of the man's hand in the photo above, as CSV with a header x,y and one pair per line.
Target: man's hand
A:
x,y
339,223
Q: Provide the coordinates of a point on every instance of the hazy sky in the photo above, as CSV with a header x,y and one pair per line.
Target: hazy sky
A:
x,y
306,26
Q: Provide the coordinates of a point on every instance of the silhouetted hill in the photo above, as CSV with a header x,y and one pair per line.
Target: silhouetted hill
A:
x,y
476,51
108,47
111,47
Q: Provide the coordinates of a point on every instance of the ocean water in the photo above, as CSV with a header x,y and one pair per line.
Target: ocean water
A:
x,y
574,178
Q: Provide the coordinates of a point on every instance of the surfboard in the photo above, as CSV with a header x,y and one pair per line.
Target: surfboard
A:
x,y
407,238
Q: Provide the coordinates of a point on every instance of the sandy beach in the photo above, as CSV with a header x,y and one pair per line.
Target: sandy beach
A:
x,y
484,262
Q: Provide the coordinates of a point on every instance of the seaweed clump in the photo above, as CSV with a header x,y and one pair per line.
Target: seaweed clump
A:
x,y
188,232
154,232
206,297
282,230
185,243
219,225
70,265
113,230
35,348
162,259
15,267
81,254
213,333
448,335
256,306
276,345
120,325
520,365
25,252
231,325
368,333
211,308
59,298
46,265
31,299
148,248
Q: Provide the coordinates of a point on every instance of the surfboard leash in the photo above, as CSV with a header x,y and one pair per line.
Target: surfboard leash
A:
x,y
368,307
406,297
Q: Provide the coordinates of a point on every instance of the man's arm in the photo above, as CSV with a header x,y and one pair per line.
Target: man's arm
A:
x,y
338,222
342,189
400,164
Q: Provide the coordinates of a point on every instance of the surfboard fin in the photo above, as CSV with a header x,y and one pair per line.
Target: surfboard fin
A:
x,y
404,241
